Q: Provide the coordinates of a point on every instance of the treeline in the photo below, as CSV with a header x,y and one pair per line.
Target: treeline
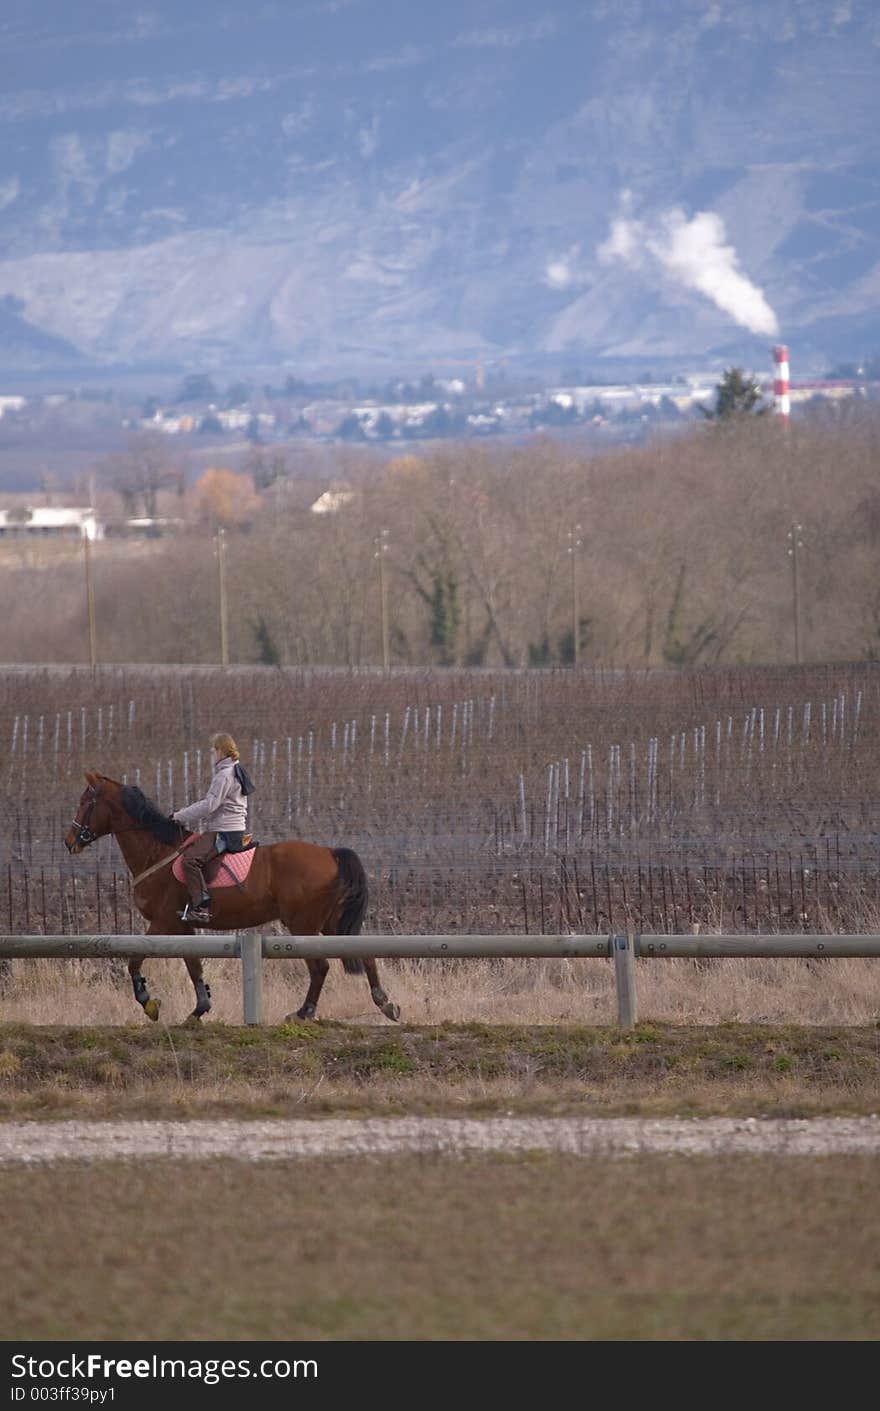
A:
x,y
742,544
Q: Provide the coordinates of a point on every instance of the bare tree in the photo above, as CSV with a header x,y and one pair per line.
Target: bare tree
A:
x,y
140,472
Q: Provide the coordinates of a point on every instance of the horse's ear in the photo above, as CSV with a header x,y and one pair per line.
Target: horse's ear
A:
x,y
91,777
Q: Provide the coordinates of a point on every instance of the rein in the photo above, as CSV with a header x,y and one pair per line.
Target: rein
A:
x,y
163,862
86,836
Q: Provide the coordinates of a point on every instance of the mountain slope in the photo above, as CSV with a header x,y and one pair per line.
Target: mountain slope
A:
x,y
354,182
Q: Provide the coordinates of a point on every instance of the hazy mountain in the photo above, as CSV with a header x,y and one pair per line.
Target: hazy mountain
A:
x,y
346,182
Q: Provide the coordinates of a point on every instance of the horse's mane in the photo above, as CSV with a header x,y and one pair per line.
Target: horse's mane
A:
x,y
147,814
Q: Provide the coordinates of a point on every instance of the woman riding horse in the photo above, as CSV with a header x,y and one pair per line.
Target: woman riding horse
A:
x,y
221,817
312,890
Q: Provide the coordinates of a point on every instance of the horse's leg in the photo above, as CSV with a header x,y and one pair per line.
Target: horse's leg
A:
x,y
388,1008
202,989
317,975
139,985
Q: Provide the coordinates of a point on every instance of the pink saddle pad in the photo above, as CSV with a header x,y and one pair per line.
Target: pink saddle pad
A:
x,y
224,871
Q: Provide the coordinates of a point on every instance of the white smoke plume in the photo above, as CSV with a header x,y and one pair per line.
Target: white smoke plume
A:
x,y
694,253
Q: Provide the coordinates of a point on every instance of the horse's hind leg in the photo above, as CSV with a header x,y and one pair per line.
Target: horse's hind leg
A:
x,y
387,1006
202,988
317,975
139,985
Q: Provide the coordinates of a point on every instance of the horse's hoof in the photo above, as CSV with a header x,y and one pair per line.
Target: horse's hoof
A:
x,y
308,1011
391,1011
151,1009
203,999
192,1021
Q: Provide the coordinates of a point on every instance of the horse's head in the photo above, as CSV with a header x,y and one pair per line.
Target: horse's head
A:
x,y
94,814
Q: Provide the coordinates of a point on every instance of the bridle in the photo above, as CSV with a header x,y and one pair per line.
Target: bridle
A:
x,y
84,834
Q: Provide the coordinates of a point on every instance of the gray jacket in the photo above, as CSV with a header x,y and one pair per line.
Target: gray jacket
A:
x,y
224,807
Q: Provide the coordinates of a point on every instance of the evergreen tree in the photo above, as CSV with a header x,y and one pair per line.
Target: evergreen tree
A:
x,y
267,650
736,395
445,617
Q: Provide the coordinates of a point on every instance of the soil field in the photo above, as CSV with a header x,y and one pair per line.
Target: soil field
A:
x,y
526,1247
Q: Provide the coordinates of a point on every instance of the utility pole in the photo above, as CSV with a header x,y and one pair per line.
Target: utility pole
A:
x,y
90,601
795,542
381,550
221,572
574,543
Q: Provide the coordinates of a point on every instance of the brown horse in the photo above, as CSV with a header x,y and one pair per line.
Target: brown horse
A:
x,y
312,890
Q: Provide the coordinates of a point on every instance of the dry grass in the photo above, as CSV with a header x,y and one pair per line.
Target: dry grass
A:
x,y
311,1069
749,991
530,1248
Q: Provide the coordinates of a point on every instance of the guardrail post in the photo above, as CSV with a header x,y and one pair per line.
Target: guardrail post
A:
x,y
625,978
251,944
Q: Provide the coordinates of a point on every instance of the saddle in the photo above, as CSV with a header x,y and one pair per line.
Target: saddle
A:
x,y
234,842
226,869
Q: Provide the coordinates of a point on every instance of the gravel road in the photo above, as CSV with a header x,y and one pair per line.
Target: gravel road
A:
x,y
23,1143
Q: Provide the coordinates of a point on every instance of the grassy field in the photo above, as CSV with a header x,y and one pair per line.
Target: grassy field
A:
x,y
527,1248
309,1070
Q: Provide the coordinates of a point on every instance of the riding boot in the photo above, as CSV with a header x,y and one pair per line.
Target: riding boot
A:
x,y
198,909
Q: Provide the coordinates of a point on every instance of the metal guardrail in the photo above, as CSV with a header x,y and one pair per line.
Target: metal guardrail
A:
x,y
252,948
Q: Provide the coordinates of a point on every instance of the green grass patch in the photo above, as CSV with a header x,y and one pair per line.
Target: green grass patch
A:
x,y
653,1069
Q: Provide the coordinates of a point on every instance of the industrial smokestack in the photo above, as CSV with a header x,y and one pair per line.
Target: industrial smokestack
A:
x,y
780,382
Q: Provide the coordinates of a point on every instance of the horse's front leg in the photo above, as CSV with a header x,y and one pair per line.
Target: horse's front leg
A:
x,y
139,985
202,988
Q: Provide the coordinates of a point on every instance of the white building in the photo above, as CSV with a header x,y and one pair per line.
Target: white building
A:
x,y
331,501
50,522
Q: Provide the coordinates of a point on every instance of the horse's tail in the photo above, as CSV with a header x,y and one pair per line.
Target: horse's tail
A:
x,y
353,880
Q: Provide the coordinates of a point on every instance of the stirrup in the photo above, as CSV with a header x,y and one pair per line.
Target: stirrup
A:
x,y
203,904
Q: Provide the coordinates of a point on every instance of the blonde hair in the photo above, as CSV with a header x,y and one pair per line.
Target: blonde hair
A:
x,y
226,745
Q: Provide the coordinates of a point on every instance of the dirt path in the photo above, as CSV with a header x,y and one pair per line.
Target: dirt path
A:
x,y
29,1142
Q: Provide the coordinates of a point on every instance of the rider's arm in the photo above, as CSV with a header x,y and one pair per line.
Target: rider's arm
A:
x,y
198,812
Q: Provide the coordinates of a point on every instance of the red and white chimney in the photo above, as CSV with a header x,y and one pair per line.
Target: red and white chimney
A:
x,y
780,381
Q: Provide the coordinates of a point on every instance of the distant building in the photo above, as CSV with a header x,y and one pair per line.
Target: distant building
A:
x,y
331,501
143,527
23,521
183,424
169,425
